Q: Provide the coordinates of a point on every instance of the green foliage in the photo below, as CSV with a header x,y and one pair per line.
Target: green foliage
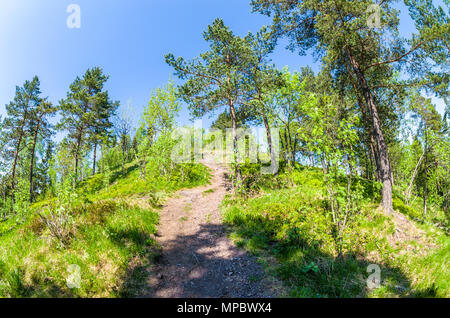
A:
x,y
293,225
403,208
86,113
321,224
108,236
216,78
253,181
102,237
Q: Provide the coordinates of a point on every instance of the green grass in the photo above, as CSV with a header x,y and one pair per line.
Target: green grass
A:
x,y
187,208
293,225
132,183
206,192
106,237
109,240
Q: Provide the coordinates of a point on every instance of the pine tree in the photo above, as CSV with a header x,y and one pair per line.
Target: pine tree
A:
x,y
340,32
86,113
38,128
215,79
261,79
122,129
19,113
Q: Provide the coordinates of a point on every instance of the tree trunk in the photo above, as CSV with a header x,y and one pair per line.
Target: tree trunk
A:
x,y
381,146
369,166
123,157
95,158
294,151
425,186
237,169
33,150
291,146
77,152
16,157
286,148
269,142
369,126
408,192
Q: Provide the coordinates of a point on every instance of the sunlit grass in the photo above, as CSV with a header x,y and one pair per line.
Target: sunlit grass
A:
x,y
110,239
293,225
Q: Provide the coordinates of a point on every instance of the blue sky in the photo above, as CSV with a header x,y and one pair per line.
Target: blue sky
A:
x,y
128,39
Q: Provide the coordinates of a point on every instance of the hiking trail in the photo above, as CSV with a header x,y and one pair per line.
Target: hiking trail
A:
x,y
198,259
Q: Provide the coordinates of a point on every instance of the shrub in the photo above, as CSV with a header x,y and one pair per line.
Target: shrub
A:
x,y
156,199
59,222
97,212
36,225
401,207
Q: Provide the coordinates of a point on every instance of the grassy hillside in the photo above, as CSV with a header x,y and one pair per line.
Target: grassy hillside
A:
x,y
103,235
286,223
107,238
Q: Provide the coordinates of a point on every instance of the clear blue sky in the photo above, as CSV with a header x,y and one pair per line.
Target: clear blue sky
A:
x,y
128,39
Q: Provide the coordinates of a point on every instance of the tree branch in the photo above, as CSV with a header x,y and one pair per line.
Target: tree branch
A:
x,y
396,59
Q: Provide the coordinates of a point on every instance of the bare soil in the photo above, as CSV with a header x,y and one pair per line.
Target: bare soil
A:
x,y
198,259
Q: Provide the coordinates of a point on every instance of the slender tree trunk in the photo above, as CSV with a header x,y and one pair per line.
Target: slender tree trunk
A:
x,y
294,151
286,148
269,142
416,169
235,145
291,146
425,186
76,166
369,126
123,156
16,157
95,157
100,165
384,161
77,153
33,151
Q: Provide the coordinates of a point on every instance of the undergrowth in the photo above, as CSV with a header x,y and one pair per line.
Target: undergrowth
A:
x,y
104,241
288,219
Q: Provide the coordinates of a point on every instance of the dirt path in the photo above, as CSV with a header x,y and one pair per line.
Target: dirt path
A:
x,y
198,259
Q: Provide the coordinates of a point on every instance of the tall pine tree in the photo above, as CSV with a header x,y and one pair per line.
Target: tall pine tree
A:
x,y
215,79
86,113
351,45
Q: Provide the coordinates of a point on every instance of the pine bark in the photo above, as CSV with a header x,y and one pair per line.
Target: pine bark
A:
x,y
33,155
381,150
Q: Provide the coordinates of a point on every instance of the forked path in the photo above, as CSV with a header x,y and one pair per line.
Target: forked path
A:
x,y
198,259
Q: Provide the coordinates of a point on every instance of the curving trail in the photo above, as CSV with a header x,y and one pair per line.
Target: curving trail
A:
x,y
198,259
